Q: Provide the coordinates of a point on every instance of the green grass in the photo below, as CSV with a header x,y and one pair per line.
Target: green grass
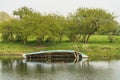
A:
x,y
16,48
98,46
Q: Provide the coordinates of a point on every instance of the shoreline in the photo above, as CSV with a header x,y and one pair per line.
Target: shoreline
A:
x,y
18,56
91,57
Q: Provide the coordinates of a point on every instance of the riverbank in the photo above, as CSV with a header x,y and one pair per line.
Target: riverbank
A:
x,y
97,46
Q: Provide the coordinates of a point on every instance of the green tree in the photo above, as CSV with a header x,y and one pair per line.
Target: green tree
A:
x,y
90,21
55,27
39,26
72,30
5,26
7,30
23,12
4,17
23,25
118,30
61,26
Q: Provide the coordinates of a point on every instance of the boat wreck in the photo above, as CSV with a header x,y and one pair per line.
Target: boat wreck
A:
x,y
54,54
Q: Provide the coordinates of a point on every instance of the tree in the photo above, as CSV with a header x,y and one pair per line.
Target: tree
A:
x,y
7,30
39,26
118,30
4,17
5,26
23,26
61,26
90,21
55,27
23,12
72,30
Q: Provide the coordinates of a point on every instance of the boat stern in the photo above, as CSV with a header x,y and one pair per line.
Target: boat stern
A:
x,y
24,56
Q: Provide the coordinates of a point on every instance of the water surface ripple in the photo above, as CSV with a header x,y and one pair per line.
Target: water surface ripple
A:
x,y
12,69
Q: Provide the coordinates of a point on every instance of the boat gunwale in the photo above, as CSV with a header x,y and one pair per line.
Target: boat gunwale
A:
x,y
51,51
55,51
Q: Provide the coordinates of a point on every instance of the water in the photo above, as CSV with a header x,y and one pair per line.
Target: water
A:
x,y
12,69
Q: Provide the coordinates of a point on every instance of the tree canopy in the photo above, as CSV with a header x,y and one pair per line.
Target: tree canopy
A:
x,y
4,16
77,26
89,21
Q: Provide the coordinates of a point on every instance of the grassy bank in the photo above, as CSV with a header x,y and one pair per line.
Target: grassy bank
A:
x,y
97,46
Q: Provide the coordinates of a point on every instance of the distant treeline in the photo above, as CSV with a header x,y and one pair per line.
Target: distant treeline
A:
x,y
77,26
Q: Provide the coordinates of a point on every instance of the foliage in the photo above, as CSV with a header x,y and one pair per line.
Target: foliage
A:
x,y
78,26
90,21
118,30
4,17
7,30
72,29
23,12
56,25
44,27
110,38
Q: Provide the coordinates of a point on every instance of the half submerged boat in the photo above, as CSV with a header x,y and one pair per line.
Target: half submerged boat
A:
x,y
54,54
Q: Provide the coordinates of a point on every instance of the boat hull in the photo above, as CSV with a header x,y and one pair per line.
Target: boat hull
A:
x,y
54,54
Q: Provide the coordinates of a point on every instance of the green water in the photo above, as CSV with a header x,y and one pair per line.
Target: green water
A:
x,y
13,69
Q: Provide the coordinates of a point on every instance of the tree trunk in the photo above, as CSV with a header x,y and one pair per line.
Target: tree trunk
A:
x,y
60,38
24,40
84,38
11,36
87,38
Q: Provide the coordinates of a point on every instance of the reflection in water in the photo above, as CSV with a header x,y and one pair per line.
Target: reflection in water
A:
x,y
55,60
11,69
